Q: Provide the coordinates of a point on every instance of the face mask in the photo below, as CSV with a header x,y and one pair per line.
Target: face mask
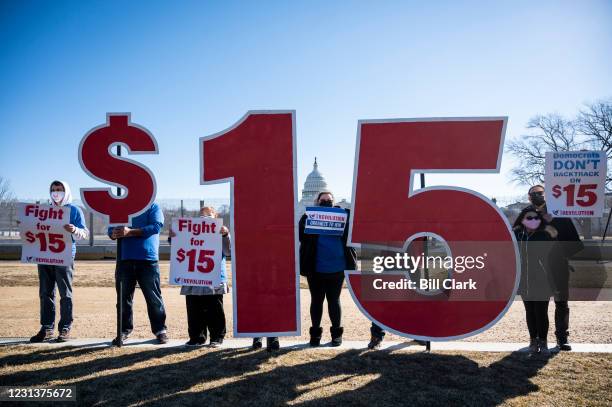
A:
x,y
57,196
538,200
326,203
531,224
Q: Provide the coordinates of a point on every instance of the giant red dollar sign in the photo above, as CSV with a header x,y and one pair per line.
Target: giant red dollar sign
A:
x,y
97,160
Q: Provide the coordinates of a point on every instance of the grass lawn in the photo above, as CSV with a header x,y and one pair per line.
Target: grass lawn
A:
x,y
95,315
173,377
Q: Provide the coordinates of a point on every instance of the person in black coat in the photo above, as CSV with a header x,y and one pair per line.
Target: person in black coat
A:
x,y
323,259
535,240
568,244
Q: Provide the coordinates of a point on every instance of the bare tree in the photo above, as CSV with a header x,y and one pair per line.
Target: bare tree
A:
x,y
549,132
8,205
594,123
6,193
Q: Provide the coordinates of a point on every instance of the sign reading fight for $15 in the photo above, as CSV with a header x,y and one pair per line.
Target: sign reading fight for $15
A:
x,y
43,237
195,253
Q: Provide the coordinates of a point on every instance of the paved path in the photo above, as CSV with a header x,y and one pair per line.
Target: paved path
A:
x,y
346,345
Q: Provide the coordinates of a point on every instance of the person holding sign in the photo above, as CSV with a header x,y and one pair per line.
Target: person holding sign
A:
x,y
139,263
51,276
205,304
324,255
568,244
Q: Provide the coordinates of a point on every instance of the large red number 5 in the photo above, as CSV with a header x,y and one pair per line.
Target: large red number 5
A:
x,y
257,157
388,213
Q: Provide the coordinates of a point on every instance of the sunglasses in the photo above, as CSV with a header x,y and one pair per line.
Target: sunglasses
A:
x,y
532,218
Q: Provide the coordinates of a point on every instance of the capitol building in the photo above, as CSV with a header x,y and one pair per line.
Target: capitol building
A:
x,y
315,183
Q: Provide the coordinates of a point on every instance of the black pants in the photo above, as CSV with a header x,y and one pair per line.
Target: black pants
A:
x,y
322,286
561,320
561,294
377,331
537,318
205,313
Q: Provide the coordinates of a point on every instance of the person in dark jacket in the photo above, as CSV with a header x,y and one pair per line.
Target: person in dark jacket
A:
x,y
568,244
323,259
535,239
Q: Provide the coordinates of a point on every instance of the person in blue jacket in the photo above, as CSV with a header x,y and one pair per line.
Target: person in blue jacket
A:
x,y
139,262
50,276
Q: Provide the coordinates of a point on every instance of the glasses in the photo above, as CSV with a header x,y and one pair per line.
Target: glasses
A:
x,y
532,218
539,193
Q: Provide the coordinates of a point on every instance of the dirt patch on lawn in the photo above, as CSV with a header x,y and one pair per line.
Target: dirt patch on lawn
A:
x,y
95,317
94,309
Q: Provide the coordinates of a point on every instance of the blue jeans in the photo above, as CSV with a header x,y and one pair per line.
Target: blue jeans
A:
x,y
146,273
49,277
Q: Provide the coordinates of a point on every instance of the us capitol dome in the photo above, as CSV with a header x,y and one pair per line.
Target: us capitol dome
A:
x,y
315,183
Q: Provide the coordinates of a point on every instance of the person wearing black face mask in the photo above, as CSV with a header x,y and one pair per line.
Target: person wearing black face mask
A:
x,y
323,259
568,244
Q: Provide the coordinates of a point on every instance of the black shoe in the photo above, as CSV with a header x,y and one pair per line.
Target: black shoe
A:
x,y
336,334
42,335
543,347
63,336
533,346
123,339
375,342
257,344
195,342
162,338
272,344
315,336
563,345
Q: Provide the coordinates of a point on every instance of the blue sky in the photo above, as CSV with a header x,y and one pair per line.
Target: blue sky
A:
x,y
189,69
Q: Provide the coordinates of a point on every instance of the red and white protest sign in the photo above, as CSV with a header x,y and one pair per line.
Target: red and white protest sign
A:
x,y
43,237
575,183
97,160
195,253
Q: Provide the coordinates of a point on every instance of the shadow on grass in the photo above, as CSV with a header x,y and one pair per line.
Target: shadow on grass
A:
x,y
240,377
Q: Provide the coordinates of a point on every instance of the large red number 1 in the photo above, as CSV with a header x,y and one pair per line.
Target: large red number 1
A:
x,y
387,213
257,157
